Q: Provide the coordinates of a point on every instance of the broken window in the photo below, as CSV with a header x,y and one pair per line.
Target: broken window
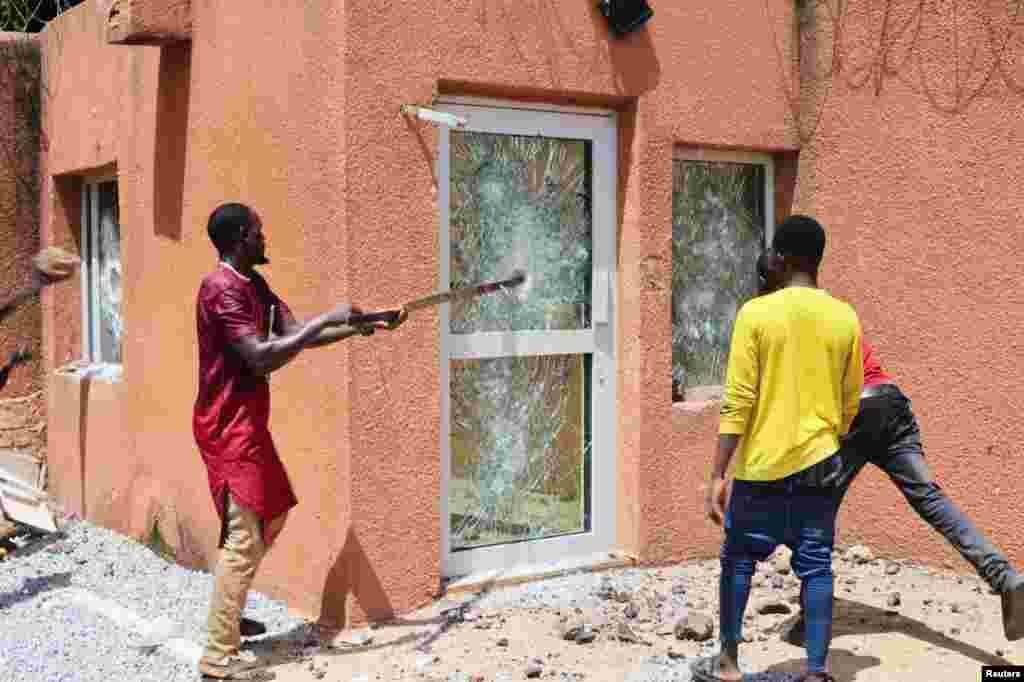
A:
x,y
721,207
101,273
519,440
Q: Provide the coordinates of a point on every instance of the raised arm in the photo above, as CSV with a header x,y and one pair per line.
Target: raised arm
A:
x,y
333,335
265,355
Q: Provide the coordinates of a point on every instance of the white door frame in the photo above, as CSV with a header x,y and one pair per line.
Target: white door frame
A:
x,y
599,128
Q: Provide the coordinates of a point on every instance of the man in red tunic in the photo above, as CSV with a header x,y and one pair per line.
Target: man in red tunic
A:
x,y
245,332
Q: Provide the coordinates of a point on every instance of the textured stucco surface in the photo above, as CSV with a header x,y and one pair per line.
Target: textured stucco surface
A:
x,y
312,137
562,53
921,196
19,235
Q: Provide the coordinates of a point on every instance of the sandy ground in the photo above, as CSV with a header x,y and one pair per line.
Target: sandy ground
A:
x,y
945,627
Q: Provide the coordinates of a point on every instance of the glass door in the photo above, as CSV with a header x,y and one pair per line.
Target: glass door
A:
x,y
527,375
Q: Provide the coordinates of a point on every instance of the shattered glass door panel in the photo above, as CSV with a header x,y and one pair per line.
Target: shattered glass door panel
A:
x,y
520,449
521,203
718,219
109,273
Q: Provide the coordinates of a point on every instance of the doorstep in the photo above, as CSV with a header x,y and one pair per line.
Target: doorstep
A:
x,y
515,575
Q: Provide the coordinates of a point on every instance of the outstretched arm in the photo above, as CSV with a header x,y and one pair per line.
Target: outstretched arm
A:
x,y
330,336
247,336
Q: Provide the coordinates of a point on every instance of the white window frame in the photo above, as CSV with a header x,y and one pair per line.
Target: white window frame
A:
x,y
600,128
90,247
763,159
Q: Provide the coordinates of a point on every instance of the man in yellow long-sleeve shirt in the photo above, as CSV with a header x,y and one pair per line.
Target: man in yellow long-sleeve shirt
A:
x,y
792,389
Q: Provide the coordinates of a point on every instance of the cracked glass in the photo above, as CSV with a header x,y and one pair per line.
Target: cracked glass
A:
x,y
109,274
521,203
718,218
519,425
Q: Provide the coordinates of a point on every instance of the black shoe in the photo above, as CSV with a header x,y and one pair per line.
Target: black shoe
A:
x,y
1013,610
795,633
252,628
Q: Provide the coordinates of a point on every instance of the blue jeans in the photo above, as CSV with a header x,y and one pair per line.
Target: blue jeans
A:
x,y
885,433
762,516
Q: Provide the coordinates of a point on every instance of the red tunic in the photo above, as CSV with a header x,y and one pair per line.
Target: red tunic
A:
x,y
873,372
232,410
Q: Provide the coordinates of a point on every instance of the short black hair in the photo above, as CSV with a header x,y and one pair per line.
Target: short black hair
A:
x,y
802,237
227,224
764,263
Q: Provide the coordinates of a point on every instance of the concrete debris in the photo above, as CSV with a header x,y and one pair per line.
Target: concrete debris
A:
x,y
534,668
625,633
859,554
585,635
569,626
696,627
7,530
424,662
894,600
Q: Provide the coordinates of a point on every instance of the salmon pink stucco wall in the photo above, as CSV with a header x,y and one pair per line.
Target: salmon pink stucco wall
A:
x,y
312,137
186,127
917,176
19,232
697,74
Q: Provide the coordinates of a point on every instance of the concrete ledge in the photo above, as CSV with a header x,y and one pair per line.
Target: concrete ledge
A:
x,y
149,22
517,575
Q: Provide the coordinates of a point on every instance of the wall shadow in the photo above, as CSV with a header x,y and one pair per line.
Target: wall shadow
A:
x,y
352,574
172,106
634,62
83,439
34,587
856,618
844,665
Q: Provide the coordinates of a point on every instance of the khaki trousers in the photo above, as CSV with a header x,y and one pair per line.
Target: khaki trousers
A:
x,y
241,552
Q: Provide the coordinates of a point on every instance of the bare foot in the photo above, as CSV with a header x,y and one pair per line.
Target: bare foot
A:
x,y
719,668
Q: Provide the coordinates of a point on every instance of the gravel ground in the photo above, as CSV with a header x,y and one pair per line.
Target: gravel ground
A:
x,y
894,620
46,636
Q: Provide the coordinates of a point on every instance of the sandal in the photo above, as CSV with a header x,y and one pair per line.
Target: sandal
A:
x,y
706,670
234,668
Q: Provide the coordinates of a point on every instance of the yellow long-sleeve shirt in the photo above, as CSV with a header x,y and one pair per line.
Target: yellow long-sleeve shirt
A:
x,y
794,381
